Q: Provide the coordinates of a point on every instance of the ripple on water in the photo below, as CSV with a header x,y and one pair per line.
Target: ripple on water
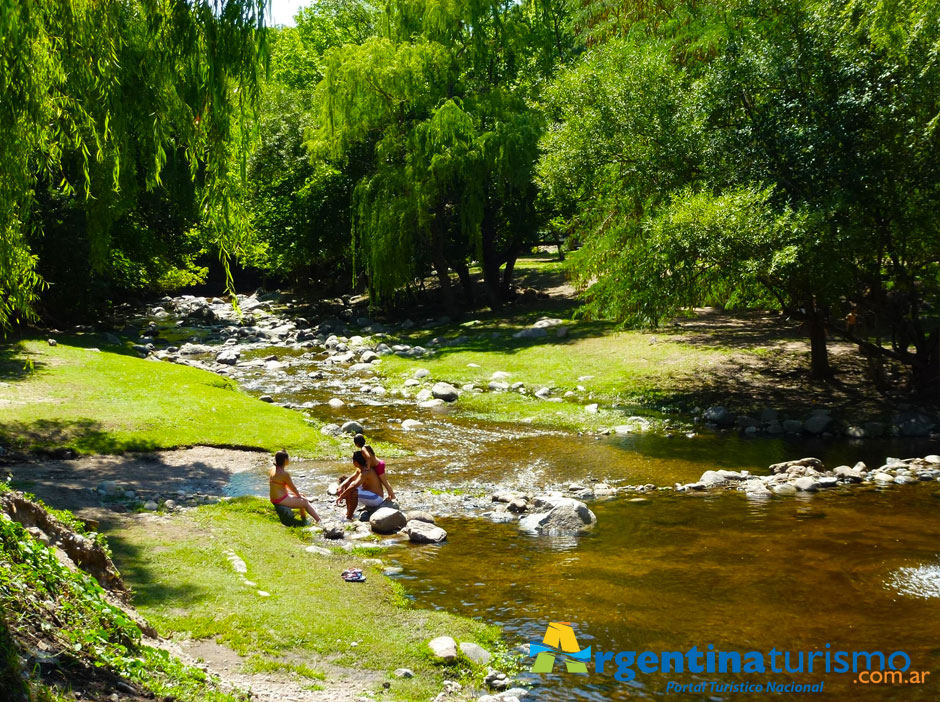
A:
x,y
920,581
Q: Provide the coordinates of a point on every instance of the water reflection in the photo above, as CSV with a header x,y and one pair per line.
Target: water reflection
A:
x,y
683,571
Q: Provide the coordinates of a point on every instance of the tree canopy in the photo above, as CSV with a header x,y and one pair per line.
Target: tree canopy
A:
x,y
98,102
793,164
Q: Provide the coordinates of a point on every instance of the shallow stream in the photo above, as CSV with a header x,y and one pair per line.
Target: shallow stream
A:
x,y
857,568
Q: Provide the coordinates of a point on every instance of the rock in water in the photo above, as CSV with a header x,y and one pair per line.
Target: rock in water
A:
x,y
564,515
420,532
445,391
443,649
475,653
420,516
387,520
228,357
814,463
719,416
351,428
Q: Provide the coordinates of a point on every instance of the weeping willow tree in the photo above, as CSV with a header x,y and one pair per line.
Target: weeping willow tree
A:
x,y
440,100
97,97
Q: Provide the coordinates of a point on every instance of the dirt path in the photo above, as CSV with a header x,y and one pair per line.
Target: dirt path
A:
x,y
342,685
73,484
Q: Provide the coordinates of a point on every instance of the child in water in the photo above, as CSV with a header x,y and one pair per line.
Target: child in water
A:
x,y
281,485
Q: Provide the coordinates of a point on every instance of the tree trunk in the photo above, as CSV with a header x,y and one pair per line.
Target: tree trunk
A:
x,y
819,354
443,274
925,367
490,265
466,281
507,275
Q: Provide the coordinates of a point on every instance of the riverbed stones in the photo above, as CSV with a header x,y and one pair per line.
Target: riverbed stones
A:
x,y
420,516
194,349
882,477
785,466
849,475
387,520
784,489
558,515
351,427
432,403
443,649
806,484
410,424
228,357
445,391
720,416
421,532
336,403
498,386
817,424
475,653
331,430
333,530
712,479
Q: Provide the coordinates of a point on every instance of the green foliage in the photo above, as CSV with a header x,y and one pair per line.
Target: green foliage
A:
x,y
42,598
96,99
439,98
793,162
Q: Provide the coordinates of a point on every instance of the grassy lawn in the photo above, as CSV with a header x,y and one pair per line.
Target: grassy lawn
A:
x,y
312,625
107,402
627,368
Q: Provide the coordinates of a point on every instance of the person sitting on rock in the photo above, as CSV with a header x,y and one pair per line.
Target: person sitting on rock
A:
x,y
281,486
362,487
379,466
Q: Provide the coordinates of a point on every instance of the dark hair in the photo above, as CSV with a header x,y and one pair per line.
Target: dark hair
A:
x,y
280,458
359,459
359,440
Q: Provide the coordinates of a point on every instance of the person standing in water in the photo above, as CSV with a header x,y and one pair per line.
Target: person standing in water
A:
x,y
281,486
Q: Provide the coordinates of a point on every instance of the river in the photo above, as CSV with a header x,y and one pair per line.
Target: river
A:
x,y
847,569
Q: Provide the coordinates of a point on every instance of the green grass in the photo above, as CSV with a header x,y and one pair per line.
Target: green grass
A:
x,y
184,584
629,368
108,402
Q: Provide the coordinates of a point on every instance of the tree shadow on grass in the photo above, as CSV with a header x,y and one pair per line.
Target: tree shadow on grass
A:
x,y
151,588
17,364
82,435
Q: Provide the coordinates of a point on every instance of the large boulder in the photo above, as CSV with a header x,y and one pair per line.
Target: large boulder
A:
x,y
420,532
387,520
475,653
445,391
443,649
558,515
351,428
817,424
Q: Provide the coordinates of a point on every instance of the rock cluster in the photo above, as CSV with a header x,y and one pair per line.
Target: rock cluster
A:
x,y
820,422
810,475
